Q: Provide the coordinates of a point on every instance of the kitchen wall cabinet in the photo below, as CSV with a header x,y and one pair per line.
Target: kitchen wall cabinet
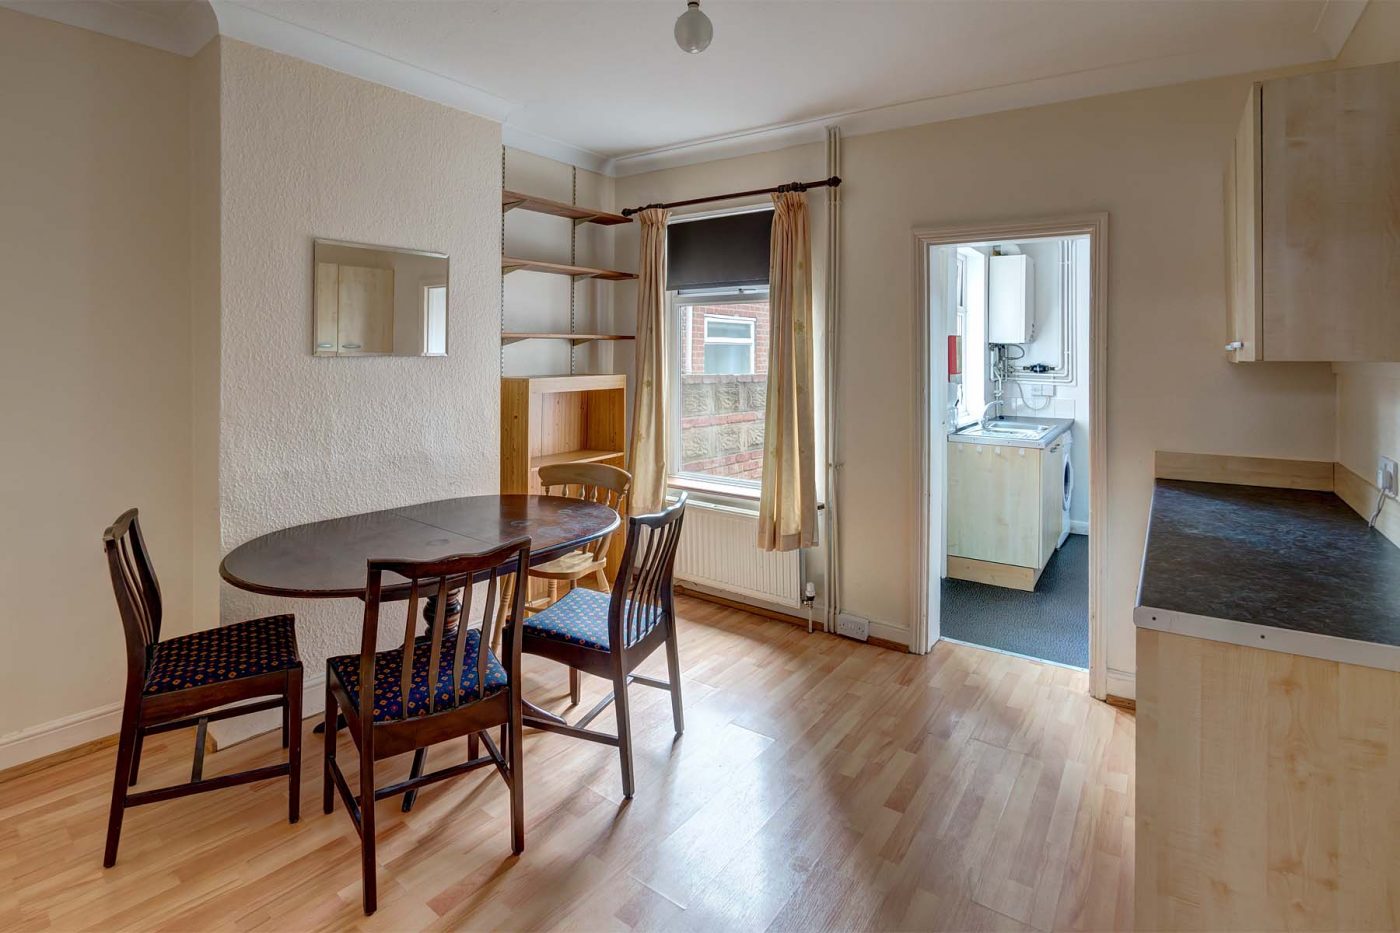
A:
x,y
354,310
1312,231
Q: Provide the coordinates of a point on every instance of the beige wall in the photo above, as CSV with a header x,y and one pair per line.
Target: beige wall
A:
x,y
1368,394
308,152
94,365
204,145
1154,160
536,302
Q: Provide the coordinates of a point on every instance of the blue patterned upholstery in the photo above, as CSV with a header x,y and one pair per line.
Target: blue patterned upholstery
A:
x,y
581,618
388,699
229,652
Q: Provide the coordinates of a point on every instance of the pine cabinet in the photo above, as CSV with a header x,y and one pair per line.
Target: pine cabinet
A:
x,y
1005,511
1312,211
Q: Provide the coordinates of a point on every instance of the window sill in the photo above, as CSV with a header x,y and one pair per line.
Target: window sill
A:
x,y
728,490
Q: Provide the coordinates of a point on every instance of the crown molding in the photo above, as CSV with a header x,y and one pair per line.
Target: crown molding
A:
x,y
1336,21
201,20
183,34
1095,82
551,148
266,31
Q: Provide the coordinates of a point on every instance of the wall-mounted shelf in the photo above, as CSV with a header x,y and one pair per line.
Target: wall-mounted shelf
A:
x,y
576,456
575,339
512,200
509,265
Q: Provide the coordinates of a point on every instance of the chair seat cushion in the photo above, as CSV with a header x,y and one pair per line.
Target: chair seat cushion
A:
x,y
581,618
229,652
388,685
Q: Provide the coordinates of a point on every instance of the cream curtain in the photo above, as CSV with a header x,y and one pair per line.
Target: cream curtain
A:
x,y
787,507
647,457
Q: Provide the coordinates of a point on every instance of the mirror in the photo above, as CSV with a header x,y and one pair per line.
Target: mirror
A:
x,y
378,301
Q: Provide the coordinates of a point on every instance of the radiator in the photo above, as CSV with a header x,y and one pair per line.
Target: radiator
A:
x,y
717,550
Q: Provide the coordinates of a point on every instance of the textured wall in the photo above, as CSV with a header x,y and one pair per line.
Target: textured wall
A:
x,y
94,364
307,152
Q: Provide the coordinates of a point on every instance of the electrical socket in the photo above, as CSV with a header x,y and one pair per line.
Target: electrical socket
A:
x,y
1043,389
1386,478
853,627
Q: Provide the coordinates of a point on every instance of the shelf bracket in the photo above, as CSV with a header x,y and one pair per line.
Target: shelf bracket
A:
x,y
511,205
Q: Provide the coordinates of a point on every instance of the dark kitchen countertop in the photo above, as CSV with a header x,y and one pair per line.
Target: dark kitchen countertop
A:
x,y
1289,559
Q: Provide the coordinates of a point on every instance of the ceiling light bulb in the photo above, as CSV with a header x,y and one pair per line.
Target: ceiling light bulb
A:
x,y
693,29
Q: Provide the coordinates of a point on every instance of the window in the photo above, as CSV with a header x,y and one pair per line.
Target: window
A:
x,y
720,398
728,345
435,320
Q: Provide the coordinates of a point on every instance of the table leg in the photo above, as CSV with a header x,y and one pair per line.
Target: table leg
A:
x,y
320,727
454,610
451,619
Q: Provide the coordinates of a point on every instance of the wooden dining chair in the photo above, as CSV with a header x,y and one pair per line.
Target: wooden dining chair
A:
x,y
592,482
406,708
190,680
610,635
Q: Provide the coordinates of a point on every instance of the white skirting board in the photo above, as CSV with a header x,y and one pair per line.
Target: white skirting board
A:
x,y
59,735
1122,684
50,738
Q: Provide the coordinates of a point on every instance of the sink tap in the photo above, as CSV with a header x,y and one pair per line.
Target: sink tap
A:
x,y
982,421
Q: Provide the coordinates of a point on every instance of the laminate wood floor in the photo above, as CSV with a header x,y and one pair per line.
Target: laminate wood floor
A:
x,y
820,784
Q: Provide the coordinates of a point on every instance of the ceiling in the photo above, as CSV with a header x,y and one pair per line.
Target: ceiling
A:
x,y
602,84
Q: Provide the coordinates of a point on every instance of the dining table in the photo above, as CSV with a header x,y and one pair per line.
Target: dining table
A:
x,y
328,559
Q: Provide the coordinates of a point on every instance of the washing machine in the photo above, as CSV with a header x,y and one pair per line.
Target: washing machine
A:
x,y
1067,471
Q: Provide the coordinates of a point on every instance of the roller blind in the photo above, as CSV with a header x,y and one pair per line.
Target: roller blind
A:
x,y
719,252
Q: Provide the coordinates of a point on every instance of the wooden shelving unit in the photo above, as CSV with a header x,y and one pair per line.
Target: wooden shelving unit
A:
x,y
515,200
559,419
510,264
549,420
576,339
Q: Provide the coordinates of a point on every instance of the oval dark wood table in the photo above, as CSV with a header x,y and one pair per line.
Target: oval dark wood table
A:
x,y
327,559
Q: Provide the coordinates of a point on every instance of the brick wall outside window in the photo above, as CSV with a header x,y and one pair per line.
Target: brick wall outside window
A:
x,y
722,414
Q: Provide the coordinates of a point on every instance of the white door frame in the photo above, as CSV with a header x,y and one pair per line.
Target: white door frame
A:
x,y
930,340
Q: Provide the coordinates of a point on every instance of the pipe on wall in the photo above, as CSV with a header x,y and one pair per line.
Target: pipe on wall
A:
x,y
833,317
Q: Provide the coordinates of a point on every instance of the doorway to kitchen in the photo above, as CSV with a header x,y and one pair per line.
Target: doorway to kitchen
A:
x,y
1013,439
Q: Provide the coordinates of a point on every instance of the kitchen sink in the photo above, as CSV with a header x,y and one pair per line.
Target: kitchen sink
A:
x,y
1020,430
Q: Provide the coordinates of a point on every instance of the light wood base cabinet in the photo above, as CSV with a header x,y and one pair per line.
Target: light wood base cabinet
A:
x,y
1312,228
1005,511
1268,790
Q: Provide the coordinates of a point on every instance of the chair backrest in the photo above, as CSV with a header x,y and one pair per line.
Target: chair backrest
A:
x,y
642,596
440,578
134,584
593,482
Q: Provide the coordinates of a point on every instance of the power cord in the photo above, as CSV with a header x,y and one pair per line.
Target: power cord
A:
x,y
1380,504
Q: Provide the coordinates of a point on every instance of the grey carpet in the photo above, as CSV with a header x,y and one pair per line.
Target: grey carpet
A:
x,y
1051,623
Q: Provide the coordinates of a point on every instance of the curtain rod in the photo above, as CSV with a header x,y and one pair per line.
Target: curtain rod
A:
x,y
832,182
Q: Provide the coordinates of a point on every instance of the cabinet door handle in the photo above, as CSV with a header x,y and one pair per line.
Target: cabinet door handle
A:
x,y
349,346
1234,345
